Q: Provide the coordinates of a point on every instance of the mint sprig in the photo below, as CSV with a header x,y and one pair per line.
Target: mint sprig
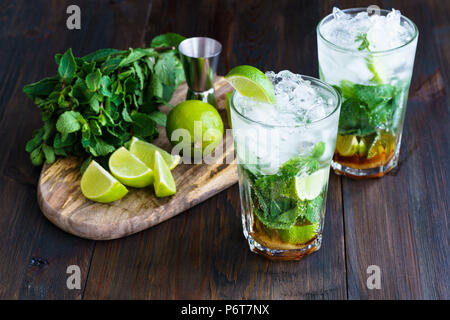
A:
x,y
275,205
97,102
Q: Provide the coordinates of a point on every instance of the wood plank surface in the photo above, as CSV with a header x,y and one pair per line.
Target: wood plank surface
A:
x,y
36,253
202,254
399,222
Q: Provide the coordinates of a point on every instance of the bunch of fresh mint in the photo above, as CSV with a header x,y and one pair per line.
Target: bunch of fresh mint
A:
x,y
96,103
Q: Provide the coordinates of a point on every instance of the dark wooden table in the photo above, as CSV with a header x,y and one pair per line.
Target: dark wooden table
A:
x,y
399,223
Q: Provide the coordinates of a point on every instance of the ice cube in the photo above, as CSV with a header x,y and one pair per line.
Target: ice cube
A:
x,y
339,14
317,112
286,75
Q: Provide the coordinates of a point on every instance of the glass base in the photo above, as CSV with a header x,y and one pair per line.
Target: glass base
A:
x,y
376,172
284,255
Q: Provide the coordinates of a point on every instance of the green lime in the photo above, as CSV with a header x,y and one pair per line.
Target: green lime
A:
x,y
200,121
145,152
129,170
99,185
347,146
251,82
164,183
309,187
299,234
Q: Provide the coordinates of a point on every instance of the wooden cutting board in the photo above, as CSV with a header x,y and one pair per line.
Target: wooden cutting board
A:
x,y
62,202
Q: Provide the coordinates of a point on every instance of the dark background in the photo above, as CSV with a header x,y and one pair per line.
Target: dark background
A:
x,y
399,223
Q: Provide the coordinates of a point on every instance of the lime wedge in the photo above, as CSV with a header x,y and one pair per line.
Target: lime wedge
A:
x,y
299,234
347,146
362,147
251,82
100,186
309,187
130,170
145,152
164,183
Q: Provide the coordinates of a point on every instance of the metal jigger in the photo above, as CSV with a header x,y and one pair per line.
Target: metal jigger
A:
x,y
199,57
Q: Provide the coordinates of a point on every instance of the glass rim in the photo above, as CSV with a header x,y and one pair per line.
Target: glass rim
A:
x,y
345,49
338,102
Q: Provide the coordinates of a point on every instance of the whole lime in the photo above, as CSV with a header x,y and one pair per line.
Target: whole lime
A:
x,y
195,124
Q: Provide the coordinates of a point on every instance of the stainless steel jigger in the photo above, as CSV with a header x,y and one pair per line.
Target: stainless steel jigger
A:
x,y
199,57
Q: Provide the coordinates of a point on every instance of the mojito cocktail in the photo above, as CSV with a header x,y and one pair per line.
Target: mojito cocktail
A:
x,y
370,60
284,151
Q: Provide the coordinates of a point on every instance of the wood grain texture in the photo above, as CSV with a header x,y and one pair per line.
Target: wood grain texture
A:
x,y
61,200
401,222
35,253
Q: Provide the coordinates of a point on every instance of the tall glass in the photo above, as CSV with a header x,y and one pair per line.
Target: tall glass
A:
x,y
374,86
283,177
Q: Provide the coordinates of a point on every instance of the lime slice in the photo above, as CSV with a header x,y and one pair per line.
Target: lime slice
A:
x,y
100,186
164,183
130,170
299,234
347,146
377,67
309,187
145,152
251,82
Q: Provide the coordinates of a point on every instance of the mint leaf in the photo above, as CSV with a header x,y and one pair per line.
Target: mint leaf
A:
x,y
93,80
318,150
167,40
67,66
85,164
101,148
135,55
68,122
313,210
36,141
126,115
49,153
364,42
110,65
41,88
372,96
102,54
37,157
142,126
159,117
95,127
354,119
